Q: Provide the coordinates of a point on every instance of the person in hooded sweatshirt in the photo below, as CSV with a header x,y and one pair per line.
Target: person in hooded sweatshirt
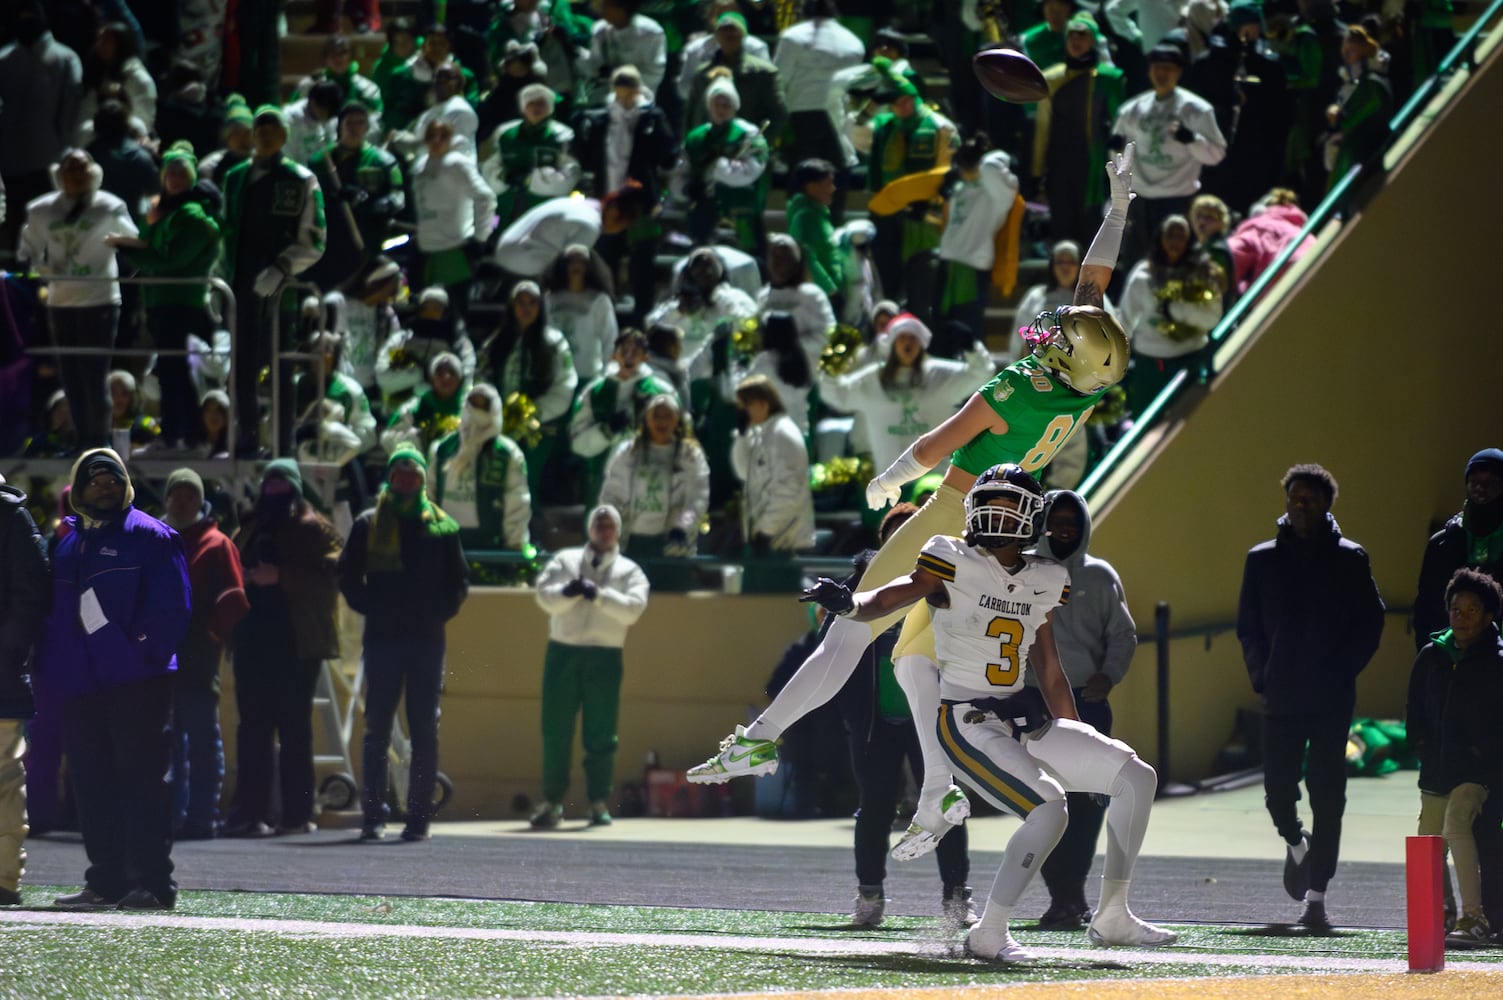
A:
x,y
1454,692
1096,637
592,594
289,552
1309,619
480,477
120,608
219,604
404,569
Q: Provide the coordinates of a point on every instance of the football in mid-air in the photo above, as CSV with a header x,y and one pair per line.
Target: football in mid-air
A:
x,y
1009,75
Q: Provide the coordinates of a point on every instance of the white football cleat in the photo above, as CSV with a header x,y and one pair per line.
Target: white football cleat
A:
x,y
955,807
738,755
995,946
915,843
1121,928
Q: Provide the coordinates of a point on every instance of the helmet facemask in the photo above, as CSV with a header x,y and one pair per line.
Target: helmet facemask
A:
x,y
992,526
1082,346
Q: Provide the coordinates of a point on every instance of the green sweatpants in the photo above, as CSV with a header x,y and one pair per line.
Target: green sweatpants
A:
x,y
585,680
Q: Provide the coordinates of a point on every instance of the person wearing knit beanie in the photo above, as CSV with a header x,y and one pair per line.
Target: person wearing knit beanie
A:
x,y
404,569
722,87
180,154
723,172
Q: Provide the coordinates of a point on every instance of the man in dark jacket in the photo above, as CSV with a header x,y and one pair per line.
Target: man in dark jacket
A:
x,y
1473,537
289,552
404,570
1309,620
362,188
120,607
25,596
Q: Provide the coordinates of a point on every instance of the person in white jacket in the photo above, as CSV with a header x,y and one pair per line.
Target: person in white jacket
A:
x,y
577,292
906,393
592,594
611,406
313,122
534,241
976,210
449,105
622,37
66,235
660,481
769,456
454,212
1175,135
789,290
1171,302
808,56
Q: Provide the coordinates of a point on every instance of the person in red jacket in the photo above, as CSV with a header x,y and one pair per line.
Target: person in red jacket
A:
x,y
219,603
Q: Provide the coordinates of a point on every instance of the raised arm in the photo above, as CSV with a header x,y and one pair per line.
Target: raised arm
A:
x,y
870,605
1101,259
974,418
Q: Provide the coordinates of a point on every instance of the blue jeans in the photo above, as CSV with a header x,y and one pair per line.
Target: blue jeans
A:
x,y
197,758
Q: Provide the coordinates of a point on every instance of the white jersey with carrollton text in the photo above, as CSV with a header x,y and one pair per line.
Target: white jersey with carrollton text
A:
x,y
982,639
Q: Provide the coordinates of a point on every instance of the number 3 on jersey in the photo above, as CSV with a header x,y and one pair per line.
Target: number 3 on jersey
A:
x,y
1010,631
1055,435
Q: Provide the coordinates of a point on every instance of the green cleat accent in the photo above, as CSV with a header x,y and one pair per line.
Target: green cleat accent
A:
x,y
738,756
955,807
915,843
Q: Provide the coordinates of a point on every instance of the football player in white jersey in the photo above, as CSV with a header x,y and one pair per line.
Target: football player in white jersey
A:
x,y
1020,749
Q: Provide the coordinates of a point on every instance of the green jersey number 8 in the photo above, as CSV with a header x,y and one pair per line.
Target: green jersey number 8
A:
x,y
1055,435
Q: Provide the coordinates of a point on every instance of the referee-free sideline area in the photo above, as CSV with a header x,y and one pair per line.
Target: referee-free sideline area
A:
x,y
699,907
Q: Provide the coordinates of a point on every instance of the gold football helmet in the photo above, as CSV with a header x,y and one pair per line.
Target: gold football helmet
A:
x,y
1084,346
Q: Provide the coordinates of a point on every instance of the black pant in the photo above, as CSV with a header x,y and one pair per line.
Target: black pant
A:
x,y
253,351
1489,833
1067,866
119,750
170,326
83,376
878,764
274,696
414,661
1285,739
887,254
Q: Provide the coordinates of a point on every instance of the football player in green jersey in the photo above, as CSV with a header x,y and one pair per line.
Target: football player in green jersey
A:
x,y
1022,416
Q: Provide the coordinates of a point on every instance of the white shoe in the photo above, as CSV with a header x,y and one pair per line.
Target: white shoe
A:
x,y
738,755
995,946
1121,928
959,911
915,843
869,910
955,807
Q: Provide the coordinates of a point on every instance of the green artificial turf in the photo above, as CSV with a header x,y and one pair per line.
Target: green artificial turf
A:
x,y
45,959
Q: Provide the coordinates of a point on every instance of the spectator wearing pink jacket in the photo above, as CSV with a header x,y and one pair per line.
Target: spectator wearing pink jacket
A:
x,y
1275,221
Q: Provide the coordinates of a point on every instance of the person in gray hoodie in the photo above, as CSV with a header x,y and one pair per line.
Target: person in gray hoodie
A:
x,y
1096,638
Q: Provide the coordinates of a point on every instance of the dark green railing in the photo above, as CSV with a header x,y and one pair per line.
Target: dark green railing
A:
x,y
1125,453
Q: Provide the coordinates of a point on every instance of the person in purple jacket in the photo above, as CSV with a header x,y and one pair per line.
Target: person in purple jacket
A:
x,y
121,605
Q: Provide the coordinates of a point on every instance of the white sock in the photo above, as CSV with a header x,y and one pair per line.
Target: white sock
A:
x,y
1298,851
1026,850
1313,896
919,679
818,680
1127,817
1113,895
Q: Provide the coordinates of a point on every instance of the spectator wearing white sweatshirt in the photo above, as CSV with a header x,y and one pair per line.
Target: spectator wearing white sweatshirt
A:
x,y
976,210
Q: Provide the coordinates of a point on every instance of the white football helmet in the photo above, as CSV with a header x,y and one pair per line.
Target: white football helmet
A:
x,y
991,525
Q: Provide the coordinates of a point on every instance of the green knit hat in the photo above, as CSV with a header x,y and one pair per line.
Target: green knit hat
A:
x,y
893,80
181,153
410,453
237,111
732,17
184,477
287,469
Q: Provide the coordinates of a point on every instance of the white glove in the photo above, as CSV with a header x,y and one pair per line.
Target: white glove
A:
x,y
879,495
1119,178
269,281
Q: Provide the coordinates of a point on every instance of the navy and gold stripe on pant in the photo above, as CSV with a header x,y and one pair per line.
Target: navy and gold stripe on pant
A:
x,y
998,786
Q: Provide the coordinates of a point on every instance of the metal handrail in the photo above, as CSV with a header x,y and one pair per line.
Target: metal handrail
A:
x,y
209,282
1336,199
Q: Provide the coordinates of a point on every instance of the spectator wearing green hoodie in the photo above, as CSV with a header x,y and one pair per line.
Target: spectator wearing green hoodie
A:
x,y
809,223
404,569
180,239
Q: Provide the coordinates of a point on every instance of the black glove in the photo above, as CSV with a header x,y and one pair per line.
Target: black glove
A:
x,y
1184,134
678,537
355,195
832,595
743,420
761,544
587,589
574,587
1117,143
620,421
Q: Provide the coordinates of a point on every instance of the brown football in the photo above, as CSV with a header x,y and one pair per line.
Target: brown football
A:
x,y
1009,75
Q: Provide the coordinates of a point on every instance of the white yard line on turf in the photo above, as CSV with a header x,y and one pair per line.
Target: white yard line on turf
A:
x,y
604,939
